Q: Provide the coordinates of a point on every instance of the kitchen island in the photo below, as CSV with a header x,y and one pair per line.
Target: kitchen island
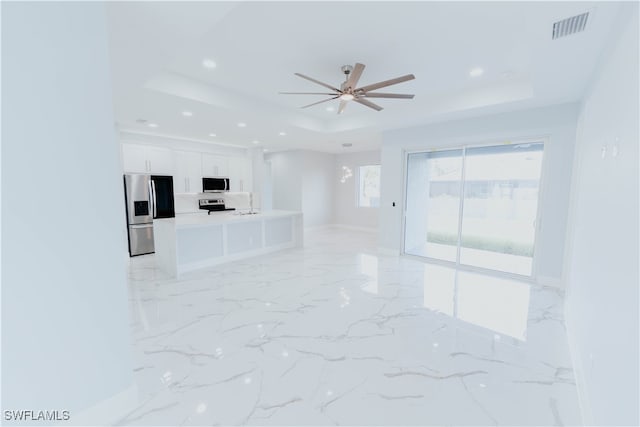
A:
x,y
191,242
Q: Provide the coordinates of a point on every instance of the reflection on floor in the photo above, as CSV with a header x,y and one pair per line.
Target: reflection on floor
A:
x,y
336,334
490,260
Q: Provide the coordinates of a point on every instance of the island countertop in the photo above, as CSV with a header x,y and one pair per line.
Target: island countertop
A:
x,y
194,241
201,218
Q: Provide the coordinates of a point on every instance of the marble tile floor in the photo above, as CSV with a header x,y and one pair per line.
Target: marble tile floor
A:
x,y
336,334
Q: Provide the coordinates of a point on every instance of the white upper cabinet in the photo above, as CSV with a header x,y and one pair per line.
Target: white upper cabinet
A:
x,y
214,165
187,167
188,172
134,158
160,160
146,159
239,174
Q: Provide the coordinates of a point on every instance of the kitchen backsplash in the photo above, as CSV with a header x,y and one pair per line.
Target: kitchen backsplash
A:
x,y
188,203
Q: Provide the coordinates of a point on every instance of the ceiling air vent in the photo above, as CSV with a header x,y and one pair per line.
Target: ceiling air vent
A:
x,y
569,26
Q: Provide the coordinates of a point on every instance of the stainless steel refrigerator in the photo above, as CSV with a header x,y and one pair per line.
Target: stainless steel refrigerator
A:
x,y
147,197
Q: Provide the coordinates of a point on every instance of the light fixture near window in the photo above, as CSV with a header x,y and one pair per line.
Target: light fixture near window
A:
x,y
346,171
346,174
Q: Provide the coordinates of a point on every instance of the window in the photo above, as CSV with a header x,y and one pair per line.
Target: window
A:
x,y
369,186
475,206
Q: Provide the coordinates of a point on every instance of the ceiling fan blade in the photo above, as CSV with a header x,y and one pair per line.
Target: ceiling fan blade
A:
x,y
320,102
368,103
306,93
387,95
386,83
342,106
354,76
317,81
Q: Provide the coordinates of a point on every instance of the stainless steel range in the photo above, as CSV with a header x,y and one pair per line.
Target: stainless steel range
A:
x,y
213,205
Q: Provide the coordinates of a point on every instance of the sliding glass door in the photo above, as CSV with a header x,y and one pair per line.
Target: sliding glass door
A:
x,y
493,225
433,204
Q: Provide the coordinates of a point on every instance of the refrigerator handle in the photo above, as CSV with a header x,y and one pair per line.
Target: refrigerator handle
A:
x,y
150,195
153,198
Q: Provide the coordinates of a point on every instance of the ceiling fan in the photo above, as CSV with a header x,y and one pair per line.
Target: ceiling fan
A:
x,y
350,92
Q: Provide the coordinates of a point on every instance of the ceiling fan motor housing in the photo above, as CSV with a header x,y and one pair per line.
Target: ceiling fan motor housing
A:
x,y
346,69
349,91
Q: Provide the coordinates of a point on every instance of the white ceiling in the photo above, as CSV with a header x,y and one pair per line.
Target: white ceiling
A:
x,y
157,50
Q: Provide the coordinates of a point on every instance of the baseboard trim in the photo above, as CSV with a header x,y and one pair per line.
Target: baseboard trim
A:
x,y
388,251
553,282
317,227
578,370
107,411
340,226
355,228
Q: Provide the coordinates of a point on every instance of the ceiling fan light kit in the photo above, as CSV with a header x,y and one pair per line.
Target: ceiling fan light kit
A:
x,y
349,91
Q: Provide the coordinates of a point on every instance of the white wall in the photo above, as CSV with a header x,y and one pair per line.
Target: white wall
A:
x,y
317,188
65,332
302,180
286,176
602,301
556,123
346,209
175,143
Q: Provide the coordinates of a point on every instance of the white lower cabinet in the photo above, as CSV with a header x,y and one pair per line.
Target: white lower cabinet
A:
x,y
188,172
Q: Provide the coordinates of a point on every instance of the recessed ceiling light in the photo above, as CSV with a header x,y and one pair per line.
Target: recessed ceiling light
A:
x,y
242,125
476,72
152,125
212,134
255,141
209,63
283,134
187,113
330,108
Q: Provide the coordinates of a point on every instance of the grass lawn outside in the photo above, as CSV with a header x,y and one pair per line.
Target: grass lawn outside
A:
x,y
486,243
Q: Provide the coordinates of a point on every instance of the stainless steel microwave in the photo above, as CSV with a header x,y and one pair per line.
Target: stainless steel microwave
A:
x,y
215,185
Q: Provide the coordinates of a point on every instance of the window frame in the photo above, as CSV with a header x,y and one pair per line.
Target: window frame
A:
x,y
543,194
358,182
